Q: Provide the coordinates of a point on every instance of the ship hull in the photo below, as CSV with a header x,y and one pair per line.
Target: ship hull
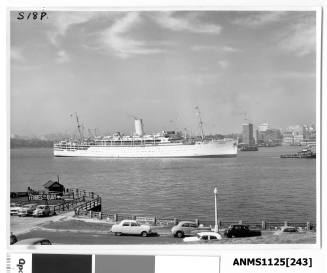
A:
x,y
226,148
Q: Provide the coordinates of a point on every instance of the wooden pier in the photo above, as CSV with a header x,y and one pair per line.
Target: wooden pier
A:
x,y
70,200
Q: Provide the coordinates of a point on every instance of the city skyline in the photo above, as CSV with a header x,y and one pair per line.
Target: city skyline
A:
x,y
97,131
111,66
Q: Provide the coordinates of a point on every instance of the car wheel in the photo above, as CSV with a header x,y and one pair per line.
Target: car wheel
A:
x,y
117,233
144,234
179,234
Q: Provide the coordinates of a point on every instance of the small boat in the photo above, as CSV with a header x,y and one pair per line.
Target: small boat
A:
x,y
308,152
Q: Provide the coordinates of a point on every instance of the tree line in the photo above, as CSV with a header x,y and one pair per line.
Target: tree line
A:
x,y
33,143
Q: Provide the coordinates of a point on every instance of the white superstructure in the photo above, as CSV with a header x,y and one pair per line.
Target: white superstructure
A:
x,y
164,144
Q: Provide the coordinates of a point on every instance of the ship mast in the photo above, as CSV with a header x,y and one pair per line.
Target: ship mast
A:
x,y
200,121
78,125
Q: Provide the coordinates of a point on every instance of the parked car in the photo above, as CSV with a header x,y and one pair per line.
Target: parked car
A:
x,y
13,238
187,228
41,210
286,229
131,227
52,210
240,231
204,237
26,210
14,208
34,241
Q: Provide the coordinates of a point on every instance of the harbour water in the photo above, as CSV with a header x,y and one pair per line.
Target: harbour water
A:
x,y
254,186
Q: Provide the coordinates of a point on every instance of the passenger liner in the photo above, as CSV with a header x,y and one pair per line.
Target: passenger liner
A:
x,y
140,145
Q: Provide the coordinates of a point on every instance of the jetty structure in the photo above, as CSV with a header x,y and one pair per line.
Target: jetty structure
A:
x,y
58,198
167,144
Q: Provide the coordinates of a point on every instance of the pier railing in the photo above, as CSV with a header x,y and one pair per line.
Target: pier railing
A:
x,y
69,200
76,192
67,205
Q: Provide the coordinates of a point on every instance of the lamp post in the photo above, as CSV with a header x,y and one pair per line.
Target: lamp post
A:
x,y
216,212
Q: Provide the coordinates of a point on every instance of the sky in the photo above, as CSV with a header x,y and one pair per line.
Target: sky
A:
x,y
112,66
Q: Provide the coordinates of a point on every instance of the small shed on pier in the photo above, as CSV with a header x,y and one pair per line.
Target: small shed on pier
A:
x,y
54,186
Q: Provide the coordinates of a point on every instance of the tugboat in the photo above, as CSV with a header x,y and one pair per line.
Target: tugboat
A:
x,y
307,152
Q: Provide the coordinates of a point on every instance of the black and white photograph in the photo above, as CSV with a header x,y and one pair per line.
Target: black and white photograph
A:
x,y
187,127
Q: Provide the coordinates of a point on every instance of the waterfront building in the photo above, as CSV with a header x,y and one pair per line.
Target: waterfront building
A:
x,y
309,134
288,138
269,137
299,135
247,134
293,135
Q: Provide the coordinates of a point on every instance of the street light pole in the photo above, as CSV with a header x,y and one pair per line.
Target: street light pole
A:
x,y
216,210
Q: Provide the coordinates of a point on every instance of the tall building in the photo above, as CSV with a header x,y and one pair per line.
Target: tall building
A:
x,y
263,127
247,134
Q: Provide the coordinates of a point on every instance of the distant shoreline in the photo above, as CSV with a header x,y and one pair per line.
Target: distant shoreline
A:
x,y
30,143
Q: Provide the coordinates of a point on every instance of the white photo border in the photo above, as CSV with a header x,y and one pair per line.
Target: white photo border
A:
x,y
181,249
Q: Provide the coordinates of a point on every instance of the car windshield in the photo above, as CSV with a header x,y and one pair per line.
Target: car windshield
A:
x,y
45,242
289,229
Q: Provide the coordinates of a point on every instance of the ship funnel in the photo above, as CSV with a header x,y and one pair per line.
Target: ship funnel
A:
x,y
139,127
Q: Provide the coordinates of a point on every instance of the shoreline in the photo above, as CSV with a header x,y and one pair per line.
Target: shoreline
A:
x,y
29,223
